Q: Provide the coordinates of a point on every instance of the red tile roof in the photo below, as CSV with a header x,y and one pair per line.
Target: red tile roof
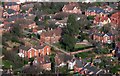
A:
x,y
71,6
116,17
101,18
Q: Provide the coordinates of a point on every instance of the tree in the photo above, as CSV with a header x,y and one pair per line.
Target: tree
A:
x,y
16,30
36,19
106,28
69,32
52,59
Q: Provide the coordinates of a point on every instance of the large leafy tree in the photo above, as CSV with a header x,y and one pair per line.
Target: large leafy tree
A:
x,y
16,30
69,32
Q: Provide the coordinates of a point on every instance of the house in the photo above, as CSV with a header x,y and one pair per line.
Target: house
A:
x,y
78,65
30,16
26,23
61,23
72,7
61,15
26,6
115,19
103,19
12,5
104,38
92,11
34,51
39,30
15,17
90,69
9,12
43,62
108,8
51,36
62,59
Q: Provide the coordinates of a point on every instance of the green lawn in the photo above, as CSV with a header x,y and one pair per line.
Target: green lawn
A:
x,y
79,46
114,69
7,63
85,54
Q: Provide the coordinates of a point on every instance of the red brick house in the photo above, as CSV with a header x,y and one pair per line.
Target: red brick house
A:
x,y
29,52
115,19
103,19
72,7
51,36
104,38
12,5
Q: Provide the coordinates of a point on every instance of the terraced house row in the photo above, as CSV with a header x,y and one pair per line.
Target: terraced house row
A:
x,y
36,51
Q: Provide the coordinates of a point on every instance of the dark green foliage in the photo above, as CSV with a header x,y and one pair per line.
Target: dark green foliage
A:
x,y
36,19
68,42
16,30
90,17
49,8
15,60
69,32
72,25
15,39
52,59
6,37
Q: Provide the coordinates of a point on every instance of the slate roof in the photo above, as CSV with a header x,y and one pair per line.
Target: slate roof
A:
x,y
61,15
26,48
79,63
64,57
110,34
14,17
50,33
96,9
11,3
24,22
92,69
39,47
100,34
23,47
10,11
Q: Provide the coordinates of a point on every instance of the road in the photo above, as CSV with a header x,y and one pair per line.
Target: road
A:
x,y
68,53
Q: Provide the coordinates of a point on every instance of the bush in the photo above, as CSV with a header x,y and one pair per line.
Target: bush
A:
x,y
90,17
104,51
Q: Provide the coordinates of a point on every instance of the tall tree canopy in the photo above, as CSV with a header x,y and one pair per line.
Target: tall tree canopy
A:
x,y
69,32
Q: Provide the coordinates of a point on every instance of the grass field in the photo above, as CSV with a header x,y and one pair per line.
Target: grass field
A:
x,y
7,63
80,46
